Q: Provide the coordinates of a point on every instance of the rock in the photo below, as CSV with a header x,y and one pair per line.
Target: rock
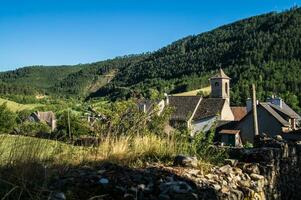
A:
x,y
101,171
129,196
186,196
278,138
185,161
57,196
231,162
256,177
244,184
237,171
225,190
164,197
175,187
194,172
251,168
217,187
227,169
103,181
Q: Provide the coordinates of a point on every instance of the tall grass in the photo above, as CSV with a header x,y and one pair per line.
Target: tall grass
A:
x,y
27,163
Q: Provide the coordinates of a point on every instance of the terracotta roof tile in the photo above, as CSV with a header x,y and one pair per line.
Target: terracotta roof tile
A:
x,y
239,112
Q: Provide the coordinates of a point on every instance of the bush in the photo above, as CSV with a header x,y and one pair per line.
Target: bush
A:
x,y
34,128
7,119
78,126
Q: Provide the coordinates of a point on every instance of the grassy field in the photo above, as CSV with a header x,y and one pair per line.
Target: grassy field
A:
x,y
205,90
15,149
15,107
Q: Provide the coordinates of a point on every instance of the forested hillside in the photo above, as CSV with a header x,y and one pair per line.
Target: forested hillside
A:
x,y
29,80
264,49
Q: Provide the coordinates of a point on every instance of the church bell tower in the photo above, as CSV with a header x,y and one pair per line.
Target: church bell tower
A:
x,y
220,86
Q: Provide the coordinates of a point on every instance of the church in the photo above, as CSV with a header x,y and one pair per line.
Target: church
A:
x,y
200,114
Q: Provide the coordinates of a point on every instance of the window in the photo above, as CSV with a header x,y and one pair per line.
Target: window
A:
x,y
216,84
226,88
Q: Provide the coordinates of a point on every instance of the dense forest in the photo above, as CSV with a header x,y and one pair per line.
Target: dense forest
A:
x,y
264,49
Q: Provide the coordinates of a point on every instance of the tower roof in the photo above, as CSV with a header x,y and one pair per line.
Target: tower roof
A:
x,y
220,74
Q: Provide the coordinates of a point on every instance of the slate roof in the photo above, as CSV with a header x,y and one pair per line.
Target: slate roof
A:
x,y
239,112
286,110
220,74
209,107
184,106
275,114
149,104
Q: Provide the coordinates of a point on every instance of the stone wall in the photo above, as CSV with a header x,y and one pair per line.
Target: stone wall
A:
x,y
269,171
279,161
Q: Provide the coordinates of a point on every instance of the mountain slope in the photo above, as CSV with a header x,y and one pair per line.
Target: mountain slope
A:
x,y
37,78
264,49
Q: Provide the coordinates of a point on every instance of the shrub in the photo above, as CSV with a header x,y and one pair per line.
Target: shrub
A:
x,y
34,128
7,119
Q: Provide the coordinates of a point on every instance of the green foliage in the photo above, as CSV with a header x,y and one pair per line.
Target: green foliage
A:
x,y
7,119
33,128
23,115
248,145
77,126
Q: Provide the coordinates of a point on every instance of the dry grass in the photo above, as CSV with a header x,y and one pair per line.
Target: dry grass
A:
x,y
27,164
205,90
123,150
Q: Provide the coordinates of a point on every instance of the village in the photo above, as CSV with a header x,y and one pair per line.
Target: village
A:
x,y
150,100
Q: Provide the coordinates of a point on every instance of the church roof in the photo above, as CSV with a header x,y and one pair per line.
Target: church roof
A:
x,y
184,106
220,74
209,107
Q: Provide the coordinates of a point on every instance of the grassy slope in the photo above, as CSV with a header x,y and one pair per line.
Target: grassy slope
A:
x,y
20,148
15,107
205,90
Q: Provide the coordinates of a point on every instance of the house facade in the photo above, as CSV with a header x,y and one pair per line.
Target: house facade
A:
x,y
275,117
46,117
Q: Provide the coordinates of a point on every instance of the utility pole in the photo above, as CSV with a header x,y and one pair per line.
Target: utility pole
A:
x,y
255,119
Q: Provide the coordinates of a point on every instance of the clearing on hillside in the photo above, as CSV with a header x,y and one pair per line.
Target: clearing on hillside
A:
x,y
15,107
206,91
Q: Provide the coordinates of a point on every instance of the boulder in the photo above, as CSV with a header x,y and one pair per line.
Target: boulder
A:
x,y
185,161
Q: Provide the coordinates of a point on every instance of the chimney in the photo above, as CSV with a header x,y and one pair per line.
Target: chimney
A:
x,y
276,101
249,104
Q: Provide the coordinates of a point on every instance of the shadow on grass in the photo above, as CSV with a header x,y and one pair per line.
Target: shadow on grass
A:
x,y
97,180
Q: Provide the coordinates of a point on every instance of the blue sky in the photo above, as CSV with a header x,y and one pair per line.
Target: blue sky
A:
x,y
55,32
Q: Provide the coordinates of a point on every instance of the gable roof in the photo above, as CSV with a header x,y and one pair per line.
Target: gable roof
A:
x,y
209,107
279,118
239,112
149,104
184,106
285,109
220,74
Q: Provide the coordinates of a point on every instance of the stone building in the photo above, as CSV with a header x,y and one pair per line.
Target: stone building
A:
x,y
275,117
198,113
46,117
